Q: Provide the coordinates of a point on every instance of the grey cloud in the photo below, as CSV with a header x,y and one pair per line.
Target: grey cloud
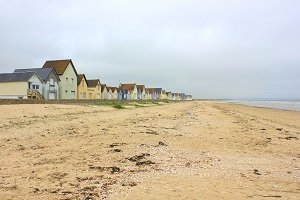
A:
x,y
211,48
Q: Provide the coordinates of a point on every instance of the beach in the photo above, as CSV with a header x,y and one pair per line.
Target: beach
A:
x,y
176,150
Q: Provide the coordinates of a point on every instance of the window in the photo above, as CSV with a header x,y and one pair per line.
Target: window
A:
x,y
35,87
72,80
51,81
67,80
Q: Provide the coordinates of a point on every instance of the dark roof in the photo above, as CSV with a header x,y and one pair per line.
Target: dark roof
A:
x,y
59,65
114,89
142,87
128,87
79,78
109,88
103,86
152,90
93,83
16,77
42,72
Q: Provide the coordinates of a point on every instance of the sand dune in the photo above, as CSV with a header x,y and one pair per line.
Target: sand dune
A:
x,y
188,150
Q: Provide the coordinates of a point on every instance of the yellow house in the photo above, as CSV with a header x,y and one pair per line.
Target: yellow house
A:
x,y
82,87
94,89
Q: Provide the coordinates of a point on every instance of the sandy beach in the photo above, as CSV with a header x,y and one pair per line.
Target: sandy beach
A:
x,y
186,150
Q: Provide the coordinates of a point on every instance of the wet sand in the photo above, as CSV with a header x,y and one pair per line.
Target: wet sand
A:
x,y
187,150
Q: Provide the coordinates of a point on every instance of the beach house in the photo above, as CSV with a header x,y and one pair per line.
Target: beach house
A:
x,y
188,97
27,85
129,91
104,93
94,89
50,85
141,92
82,87
169,95
68,77
155,93
115,93
109,92
163,95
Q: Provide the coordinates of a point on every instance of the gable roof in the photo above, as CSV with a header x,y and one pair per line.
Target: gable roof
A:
x,y
42,72
103,86
114,89
80,77
93,83
16,77
128,87
109,88
150,90
60,66
142,87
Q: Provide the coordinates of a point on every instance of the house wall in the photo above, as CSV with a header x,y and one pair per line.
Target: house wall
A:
x,y
36,81
94,93
104,94
115,95
133,94
13,90
67,87
47,87
82,90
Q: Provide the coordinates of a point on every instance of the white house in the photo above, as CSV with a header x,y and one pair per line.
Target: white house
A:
x,y
50,88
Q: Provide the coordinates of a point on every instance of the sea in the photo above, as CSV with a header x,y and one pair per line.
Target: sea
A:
x,y
293,105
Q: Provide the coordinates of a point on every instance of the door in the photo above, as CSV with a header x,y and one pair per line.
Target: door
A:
x,y
73,94
51,95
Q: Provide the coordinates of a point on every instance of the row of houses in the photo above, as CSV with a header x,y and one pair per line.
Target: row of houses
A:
x,y
58,79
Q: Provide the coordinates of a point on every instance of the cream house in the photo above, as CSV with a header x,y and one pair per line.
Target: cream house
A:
x,y
115,93
21,86
94,89
82,87
104,93
67,75
163,95
109,92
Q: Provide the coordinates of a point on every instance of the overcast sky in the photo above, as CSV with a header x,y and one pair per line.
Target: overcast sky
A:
x,y
210,48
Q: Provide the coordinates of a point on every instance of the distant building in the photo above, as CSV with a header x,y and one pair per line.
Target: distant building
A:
x,y
104,92
129,91
50,86
94,89
141,92
188,97
21,86
67,75
155,93
82,87
169,95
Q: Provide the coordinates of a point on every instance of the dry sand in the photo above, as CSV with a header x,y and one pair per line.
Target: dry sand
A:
x,y
188,150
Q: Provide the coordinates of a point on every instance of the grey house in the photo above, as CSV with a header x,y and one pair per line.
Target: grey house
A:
x,y
50,88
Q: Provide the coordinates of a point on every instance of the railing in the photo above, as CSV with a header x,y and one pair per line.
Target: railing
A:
x,y
34,94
